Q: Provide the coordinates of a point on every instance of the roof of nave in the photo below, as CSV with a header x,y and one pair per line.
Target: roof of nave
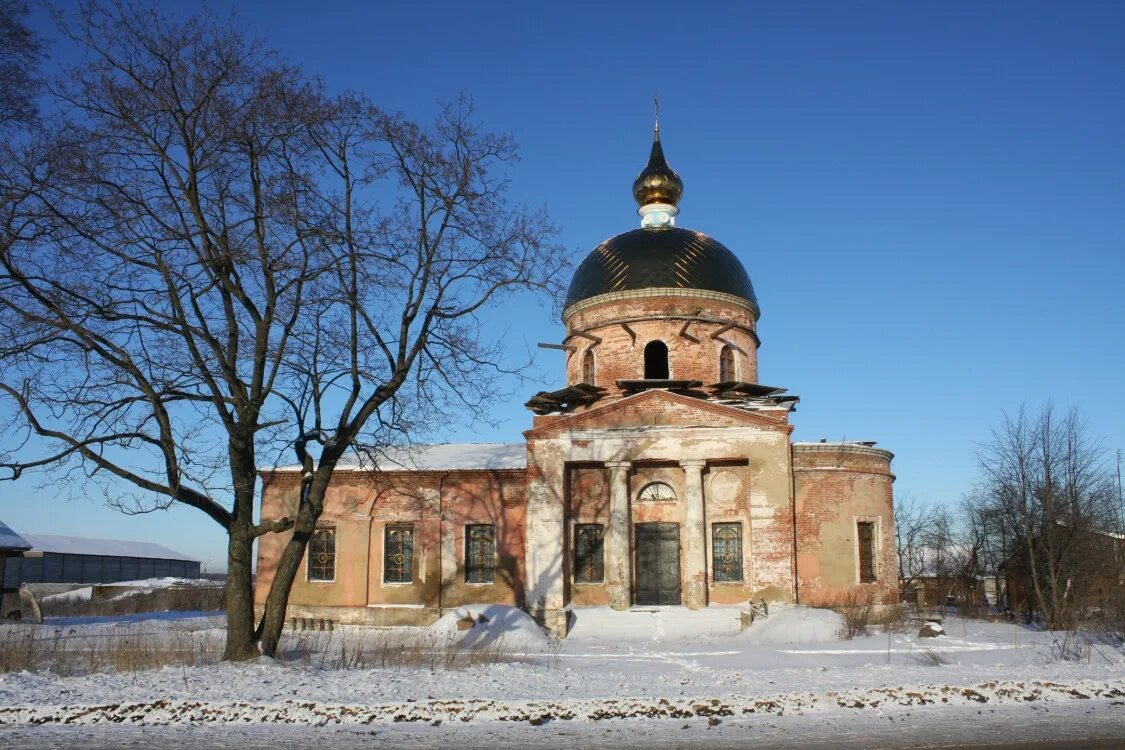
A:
x,y
439,457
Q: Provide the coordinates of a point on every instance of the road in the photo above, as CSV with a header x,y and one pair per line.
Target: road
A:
x,y
1098,725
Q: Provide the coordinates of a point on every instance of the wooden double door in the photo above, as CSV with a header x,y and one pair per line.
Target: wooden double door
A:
x,y
656,573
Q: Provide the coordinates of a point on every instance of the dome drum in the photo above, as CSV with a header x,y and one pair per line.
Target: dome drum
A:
x,y
607,354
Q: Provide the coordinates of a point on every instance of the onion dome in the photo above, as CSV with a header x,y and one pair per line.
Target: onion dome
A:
x,y
657,184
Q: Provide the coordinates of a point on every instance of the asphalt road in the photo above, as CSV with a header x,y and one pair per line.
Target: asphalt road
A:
x,y
1098,727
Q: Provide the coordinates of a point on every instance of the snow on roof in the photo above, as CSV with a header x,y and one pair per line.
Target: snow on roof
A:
x,y
80,545
10,539
444,456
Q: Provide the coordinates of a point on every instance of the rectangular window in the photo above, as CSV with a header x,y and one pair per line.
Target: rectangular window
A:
x,y
865,533
480,553
589,559
322,555
726,552
398,554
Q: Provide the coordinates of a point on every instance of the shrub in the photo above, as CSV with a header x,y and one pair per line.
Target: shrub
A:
x,y
857,609
933,657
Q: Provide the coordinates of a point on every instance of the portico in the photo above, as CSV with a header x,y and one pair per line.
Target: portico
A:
x,y
684,464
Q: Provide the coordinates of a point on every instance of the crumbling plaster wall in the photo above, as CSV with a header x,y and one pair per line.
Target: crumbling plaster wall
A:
x,y
750,464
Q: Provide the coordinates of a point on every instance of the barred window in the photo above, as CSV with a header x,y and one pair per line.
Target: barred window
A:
x,y
865,532
322,555
589,559
480,553
726,552
726,364
588,368
398,554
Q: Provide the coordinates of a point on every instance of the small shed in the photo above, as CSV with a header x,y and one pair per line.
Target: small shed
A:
x,y
12,546
71,559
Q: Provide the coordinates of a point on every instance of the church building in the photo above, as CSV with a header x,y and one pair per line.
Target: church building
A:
x,y
661,474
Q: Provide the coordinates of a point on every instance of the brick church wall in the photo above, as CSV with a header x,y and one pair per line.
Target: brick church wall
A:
x,y
836,486
438,505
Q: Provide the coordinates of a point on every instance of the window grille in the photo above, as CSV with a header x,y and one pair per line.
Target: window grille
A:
x,y
480,553
588,368
398,554
726,552
866,535
657,492
589,558
726,365
322,555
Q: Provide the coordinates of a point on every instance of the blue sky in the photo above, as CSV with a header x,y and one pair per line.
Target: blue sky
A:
x,y
928,196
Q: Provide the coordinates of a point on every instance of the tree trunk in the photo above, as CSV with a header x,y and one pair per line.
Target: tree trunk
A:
x,y
240,593
277,601
241,633
308,512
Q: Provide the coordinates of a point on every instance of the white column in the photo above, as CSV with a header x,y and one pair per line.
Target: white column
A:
x,y
695,536
546,532
617,557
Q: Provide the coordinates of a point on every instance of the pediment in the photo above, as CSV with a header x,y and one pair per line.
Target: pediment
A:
x,y
659,408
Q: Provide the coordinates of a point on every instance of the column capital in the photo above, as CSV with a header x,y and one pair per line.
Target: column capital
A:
x,y
692,463
619,464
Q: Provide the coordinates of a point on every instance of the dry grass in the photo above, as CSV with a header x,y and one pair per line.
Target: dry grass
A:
x,y
181,598
931,656
25,649
68,651
371,649
151,645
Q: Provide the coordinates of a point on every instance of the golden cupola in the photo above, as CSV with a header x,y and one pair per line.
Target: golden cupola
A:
x,y
658,188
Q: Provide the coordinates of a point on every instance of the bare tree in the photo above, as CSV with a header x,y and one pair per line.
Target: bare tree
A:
x,y
20,53
209,260
1048,487
912,522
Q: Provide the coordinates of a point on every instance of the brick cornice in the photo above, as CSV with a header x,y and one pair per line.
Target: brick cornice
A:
x,y
570,422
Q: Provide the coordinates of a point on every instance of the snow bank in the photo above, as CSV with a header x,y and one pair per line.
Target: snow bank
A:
x,y
507,628
796,624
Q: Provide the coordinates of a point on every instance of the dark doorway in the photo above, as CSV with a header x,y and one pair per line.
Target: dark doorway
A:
x,y
656,361
658,563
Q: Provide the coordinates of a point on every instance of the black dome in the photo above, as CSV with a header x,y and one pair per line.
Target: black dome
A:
x,y
666,257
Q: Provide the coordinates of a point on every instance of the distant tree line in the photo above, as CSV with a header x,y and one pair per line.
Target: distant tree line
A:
x,y
1045,517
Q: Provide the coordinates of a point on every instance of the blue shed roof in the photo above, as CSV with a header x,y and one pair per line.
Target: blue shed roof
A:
x,y
11,540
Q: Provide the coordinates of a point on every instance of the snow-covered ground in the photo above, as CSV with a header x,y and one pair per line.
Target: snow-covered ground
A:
x,y
654,676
